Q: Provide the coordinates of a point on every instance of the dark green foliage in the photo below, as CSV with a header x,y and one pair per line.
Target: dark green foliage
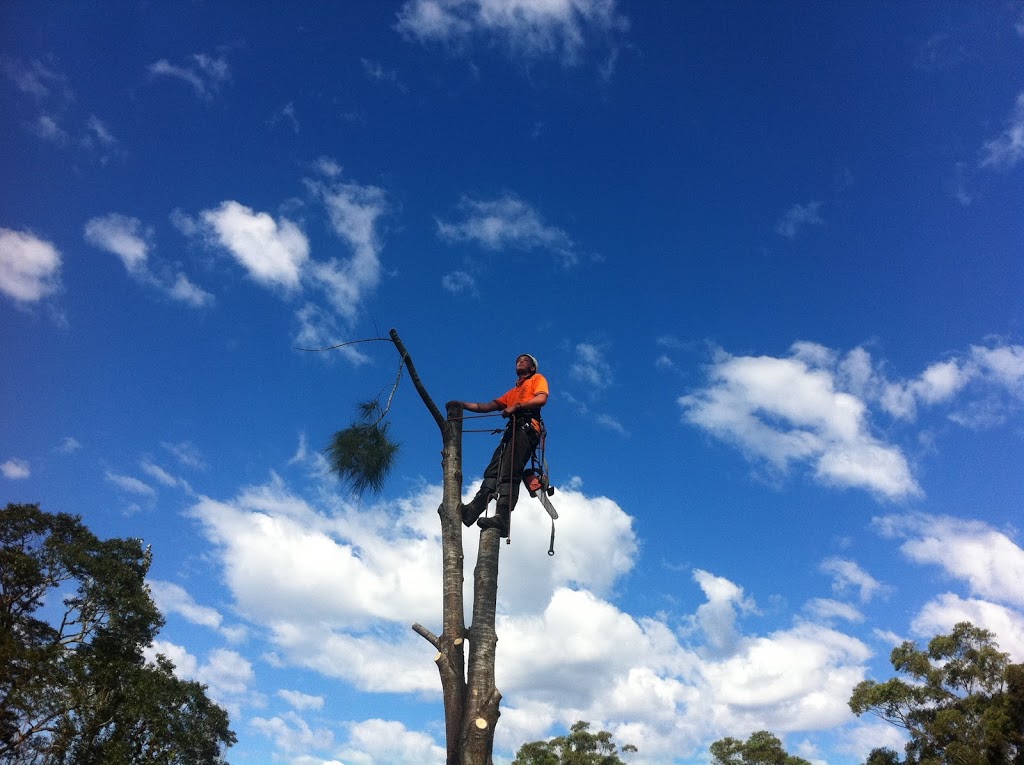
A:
x,y
762,748
579,747
76,689
964,704
362,455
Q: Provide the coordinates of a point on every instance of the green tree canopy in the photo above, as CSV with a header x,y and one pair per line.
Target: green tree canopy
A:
x,y
762,748
579,747
963,704
75,688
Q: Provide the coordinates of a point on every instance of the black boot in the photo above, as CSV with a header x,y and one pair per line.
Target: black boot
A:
x,y
474,509
500,521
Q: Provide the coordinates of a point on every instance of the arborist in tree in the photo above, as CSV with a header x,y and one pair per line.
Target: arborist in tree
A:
x,y
521,405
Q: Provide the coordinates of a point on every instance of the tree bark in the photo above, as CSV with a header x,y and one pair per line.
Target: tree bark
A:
x,y
470,707
482,698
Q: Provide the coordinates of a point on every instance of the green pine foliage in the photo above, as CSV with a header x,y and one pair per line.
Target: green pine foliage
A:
x,y
363,454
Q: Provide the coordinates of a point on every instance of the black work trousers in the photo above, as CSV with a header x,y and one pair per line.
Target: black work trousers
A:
x,y
504,473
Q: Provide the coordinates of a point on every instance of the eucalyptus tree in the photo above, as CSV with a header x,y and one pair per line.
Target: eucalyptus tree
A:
x,y
962,704
762,748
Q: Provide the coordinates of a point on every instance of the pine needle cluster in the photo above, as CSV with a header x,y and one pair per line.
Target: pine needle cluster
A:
x,y
363,454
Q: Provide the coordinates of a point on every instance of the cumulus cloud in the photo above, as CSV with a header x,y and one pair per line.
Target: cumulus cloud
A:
x,y
301,700
815,407
354,211
526,27
376,740
567,651
789,410
16,469
1007,149
508,223
989,561
174,599
847,575
272,252
292,734
29,266
68,445
276,252
590,365
798,217
717,617
459,281
206,74
123,236
941,614
131,242
228,675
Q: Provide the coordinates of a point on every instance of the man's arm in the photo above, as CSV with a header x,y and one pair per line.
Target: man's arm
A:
x,y
489,406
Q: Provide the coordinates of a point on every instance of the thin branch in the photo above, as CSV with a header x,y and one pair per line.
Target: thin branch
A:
x,y
342,345
414,376
430,637
394,388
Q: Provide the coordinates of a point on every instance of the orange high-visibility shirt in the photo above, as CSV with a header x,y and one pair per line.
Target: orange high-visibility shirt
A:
x,y
525,389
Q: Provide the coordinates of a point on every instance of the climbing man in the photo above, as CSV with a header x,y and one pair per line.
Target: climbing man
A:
x,y
521,405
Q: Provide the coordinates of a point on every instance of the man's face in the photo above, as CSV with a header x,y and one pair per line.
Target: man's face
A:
x,y
524,365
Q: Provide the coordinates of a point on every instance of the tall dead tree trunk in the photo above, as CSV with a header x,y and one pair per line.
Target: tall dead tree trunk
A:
x,y
470,704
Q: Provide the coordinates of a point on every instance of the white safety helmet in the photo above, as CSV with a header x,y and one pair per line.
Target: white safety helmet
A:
x,y
536,366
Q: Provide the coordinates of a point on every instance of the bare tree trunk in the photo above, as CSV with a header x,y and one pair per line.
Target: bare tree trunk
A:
x,y
470,708
483,697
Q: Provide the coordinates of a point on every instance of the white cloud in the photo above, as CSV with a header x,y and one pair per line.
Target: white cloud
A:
x,y
848,575
16,469
508,223
301,700
859,740
171,598
29,266
273,252
459,281
989,561
941,614
789,410
206,74
185,664
186,453
826,609
797,217
590,366
68,445
381,741
123,236
292,734
527,27
131,242
354,211
1007,149
228,675
161,475
717,617
130,484
566,653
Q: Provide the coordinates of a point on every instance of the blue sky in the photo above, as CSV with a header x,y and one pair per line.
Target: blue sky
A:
x,y
769,257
